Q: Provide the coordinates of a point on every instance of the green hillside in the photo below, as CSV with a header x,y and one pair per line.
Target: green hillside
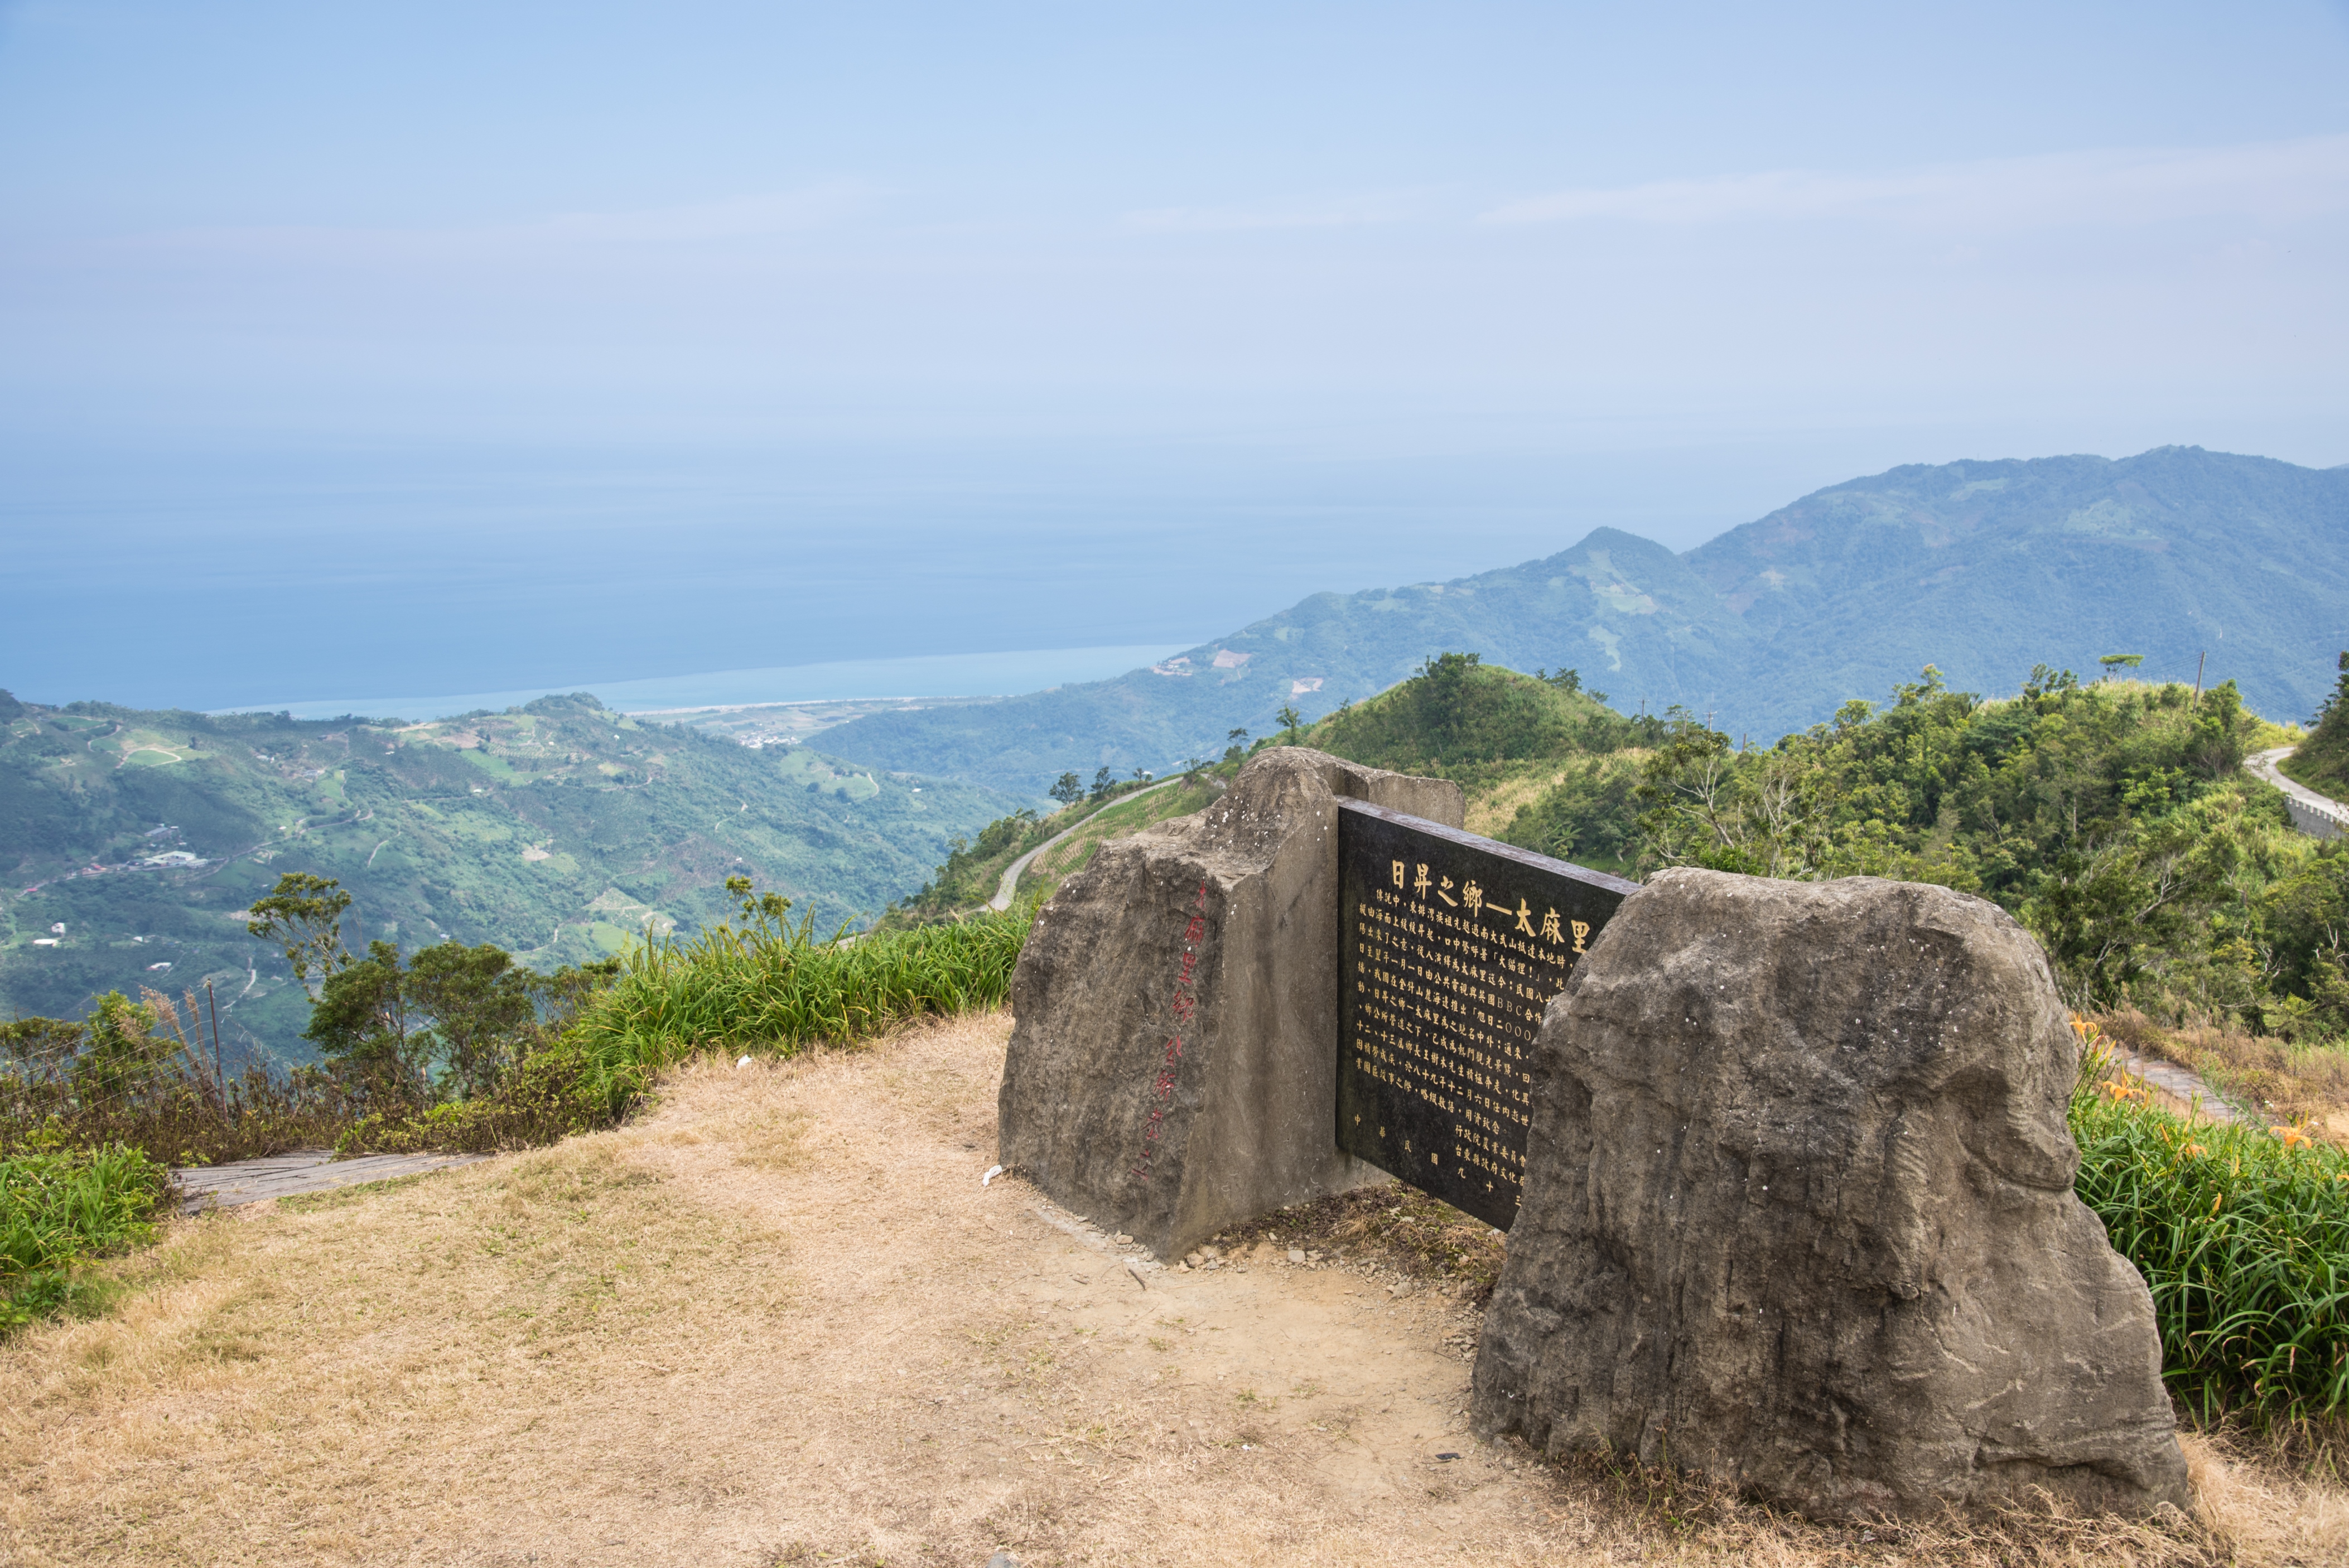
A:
x,y
1458,713
557,829
2114,818
1979,568
2322,761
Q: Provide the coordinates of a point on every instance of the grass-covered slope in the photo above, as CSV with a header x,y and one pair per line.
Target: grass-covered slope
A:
x,y
1979,568
556,830
1459,712
2322,761
1543,762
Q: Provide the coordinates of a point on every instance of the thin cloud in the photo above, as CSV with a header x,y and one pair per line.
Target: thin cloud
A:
x,y
700,223
1353,213
819,206
2276,180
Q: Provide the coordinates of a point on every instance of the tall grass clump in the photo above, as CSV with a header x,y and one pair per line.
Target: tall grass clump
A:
x,y
773,985
59,1210
2242,1232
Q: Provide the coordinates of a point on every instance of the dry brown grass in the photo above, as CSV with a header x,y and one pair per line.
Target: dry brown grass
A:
x,y
778,1319
2305,1085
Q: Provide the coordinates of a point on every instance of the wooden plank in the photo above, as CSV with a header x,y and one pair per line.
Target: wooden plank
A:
x,y
308,1171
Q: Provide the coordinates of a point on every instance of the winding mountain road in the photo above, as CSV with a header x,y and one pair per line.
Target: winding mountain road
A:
x,y
2311,813
1004,890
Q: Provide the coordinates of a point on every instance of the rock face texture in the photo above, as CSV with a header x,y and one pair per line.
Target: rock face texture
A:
x,y
1174,1066
1798,1213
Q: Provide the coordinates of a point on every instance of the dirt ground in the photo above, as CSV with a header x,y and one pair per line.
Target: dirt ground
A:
x,y
777,1320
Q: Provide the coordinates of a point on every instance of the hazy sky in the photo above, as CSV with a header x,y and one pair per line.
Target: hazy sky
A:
x,y
1012,326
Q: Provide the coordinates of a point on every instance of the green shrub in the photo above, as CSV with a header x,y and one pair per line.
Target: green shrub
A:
x,y
57,1210
138,1074
550,1094
771,986
2243,1236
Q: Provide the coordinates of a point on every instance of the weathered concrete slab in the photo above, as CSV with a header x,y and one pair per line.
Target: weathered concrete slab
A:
x,y
304,1171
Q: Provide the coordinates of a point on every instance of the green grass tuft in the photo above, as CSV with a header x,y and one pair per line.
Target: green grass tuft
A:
x,y
57,1212
774,988
2243,1236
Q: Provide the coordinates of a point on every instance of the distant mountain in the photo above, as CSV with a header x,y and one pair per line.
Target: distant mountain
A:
x,y
555,830
1981,568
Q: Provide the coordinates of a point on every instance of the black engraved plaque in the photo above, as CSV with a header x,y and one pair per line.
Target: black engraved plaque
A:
x,y
1449,948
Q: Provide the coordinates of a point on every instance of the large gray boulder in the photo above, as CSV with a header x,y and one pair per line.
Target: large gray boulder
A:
x,y
1798,1213
1174,1065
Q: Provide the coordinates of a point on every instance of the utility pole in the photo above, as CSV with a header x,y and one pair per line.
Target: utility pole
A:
x,y
220,1076
2198,660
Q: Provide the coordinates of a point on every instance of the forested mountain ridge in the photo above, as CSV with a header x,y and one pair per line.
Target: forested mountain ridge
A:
x,y
555,830
1981,569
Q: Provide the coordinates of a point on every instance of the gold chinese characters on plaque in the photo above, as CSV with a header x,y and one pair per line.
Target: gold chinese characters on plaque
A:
x,y
1449,949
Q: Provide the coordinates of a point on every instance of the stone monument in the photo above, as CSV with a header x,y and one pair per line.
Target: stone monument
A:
x,y
1174,1065
1798,1213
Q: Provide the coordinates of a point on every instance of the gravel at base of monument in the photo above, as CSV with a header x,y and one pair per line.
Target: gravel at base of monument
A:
x,y
1799,1214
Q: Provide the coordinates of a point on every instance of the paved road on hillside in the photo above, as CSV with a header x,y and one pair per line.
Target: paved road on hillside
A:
x,y
1002,899
2311,813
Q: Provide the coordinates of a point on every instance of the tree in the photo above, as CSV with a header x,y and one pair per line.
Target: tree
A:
x,y
1291,721
359,1024
1104,779
2114,663
470,1011
1067,789
563,994
1441,689
2322,761
772,906
304,914
2335,710
480,1007
1238,747
2048,681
